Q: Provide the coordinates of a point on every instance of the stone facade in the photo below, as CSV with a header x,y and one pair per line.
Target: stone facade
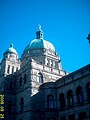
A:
x,y
36,87
69,97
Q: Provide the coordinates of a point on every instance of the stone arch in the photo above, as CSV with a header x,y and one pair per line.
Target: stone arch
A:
x,y
40,77
70,98
79,94
88,91
62,101
50,101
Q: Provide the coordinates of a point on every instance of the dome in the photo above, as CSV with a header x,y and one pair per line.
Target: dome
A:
x,y
11,49
39,42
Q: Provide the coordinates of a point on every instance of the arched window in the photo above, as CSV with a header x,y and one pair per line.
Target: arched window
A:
x,y
20,84
21,104
9,106
62,101
16,69
40,78
50,101
70,98
8,69
79,94
12,69
88,91
25,78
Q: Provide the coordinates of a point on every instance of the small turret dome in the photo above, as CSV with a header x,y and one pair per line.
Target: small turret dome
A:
x,y
39,42
11,50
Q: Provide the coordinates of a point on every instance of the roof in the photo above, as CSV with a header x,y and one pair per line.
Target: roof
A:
x,y
11,50
39,42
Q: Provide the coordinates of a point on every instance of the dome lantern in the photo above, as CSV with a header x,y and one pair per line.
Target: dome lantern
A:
x,y
39,42
39,33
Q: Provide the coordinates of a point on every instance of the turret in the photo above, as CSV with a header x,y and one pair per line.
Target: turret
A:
x,y
10,62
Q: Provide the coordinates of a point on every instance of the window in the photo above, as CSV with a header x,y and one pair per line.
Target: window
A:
x,y
62,101
70,98
9,106
21,104
8,69
20,84
16,69
48,62
50,101
79,94
51,63
13,69
40,78
25,78
88,91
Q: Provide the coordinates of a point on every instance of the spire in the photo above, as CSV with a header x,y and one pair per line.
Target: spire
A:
x,y
39,27
88,38
39,33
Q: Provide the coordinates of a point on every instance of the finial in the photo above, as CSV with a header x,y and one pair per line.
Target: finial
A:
x,y
39,33
39,28
88,38
11,45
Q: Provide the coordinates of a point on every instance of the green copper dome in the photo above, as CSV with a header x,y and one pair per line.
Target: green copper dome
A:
x,y
39,42
11,49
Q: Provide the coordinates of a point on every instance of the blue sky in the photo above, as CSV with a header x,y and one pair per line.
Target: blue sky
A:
x,y
66,24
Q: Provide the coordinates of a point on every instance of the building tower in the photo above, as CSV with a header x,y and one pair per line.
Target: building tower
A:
x,y
10,62
39,64
43,61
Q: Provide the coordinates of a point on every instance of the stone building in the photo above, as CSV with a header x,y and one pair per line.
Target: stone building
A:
x,y
35,87
68,98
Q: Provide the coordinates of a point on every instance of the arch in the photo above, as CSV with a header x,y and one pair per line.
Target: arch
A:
x,y
25,78
70,98
79,94
40,78
8,69
88,91
62,101
21,104
50,101
12,69
16,69
9,106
